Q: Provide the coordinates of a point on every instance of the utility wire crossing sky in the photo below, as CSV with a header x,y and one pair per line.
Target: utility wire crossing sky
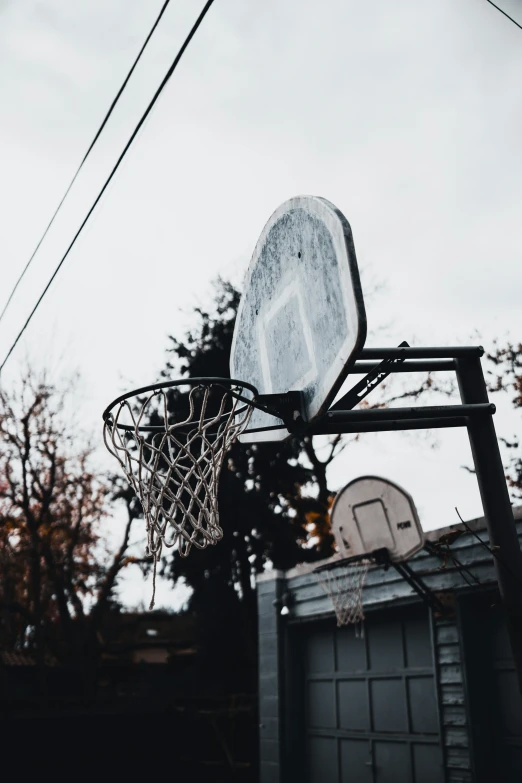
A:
x,y
135,132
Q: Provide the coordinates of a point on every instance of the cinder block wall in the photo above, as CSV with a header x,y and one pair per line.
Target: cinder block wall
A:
x,y
271,684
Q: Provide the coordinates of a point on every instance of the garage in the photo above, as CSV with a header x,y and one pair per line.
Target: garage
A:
x,y
371,706
424,697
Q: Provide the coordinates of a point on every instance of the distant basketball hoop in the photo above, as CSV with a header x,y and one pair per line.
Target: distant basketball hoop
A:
x,y
374,522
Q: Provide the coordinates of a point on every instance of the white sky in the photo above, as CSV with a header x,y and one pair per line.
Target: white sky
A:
x,y
407,115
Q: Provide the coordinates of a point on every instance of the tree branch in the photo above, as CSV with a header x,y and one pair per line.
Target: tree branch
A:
x,y
334,444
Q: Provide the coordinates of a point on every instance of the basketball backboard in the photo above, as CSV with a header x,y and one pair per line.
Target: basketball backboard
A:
x,y
301,320
373,513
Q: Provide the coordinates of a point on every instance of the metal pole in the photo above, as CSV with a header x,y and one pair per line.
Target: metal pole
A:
x,y
407,352
329,427
362,367
495,501
426,412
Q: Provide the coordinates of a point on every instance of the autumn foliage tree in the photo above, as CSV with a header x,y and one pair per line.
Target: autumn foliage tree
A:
x,y
56,577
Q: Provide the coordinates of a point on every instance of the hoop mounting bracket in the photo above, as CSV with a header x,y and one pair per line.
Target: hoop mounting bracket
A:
x,y
361,389
288,406
382,557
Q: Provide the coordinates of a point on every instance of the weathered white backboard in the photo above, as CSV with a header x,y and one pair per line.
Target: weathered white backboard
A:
x,y
373,513
301,320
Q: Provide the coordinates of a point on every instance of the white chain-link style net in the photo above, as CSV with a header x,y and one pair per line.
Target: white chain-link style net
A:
x,y
343,584
174,468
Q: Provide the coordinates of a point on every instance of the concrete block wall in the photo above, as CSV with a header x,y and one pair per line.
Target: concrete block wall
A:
x,y
271,684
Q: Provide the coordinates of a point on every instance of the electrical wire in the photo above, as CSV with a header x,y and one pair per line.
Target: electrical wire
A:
x,y
93,142
109,179
503,12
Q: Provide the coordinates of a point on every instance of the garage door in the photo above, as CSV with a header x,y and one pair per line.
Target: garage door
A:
x,y
370,704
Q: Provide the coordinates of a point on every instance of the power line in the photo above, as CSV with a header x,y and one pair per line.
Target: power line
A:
x,y
93,142
135,132
503,12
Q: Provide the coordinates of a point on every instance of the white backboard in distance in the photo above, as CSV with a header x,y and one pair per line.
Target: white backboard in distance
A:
x,y
373,513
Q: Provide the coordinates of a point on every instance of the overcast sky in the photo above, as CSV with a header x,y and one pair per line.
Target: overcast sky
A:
x,y
407,115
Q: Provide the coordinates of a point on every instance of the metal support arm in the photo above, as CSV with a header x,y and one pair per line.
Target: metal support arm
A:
x,y
453,352
390,419
419,586
427,411
363,366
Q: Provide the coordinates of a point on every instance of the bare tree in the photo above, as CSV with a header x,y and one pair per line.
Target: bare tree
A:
x,y
56,579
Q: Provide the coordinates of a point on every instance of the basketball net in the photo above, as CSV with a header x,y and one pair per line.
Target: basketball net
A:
x,y
343,584
174,467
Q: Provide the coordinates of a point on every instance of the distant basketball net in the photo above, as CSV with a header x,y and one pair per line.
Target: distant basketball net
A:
x,y
174,461
344,585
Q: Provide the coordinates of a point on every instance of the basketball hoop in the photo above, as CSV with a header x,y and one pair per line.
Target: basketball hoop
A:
x,y
374,522
343,584
173,464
